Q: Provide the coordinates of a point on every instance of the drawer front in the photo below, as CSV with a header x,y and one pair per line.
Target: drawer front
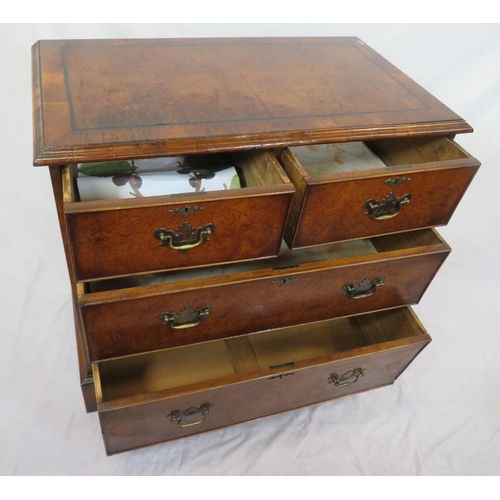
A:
x,y
344,210
137,324
148,238
134,424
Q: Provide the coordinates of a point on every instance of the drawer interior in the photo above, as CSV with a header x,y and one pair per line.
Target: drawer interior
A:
x,y
416,150
255,169
323,159
261,354
286,259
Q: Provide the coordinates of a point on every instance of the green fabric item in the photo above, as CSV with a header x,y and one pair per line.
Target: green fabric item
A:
x,y
106,168
235,182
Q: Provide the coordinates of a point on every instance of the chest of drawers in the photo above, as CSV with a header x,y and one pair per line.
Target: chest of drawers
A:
x,y
204,309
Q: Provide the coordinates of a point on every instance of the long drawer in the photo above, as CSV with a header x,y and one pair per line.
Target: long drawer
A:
x,y
154,397
298,287
120,237
357,190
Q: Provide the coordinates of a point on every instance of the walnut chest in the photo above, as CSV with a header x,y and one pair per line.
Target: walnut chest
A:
x,y
202,308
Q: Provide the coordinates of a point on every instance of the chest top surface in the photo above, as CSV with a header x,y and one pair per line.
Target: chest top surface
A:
x,y
98,100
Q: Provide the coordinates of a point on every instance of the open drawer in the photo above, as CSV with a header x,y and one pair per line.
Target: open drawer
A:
x,y
120,237
154,397
356,190
143,313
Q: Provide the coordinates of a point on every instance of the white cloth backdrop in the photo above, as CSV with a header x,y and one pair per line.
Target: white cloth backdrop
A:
x,y
442,417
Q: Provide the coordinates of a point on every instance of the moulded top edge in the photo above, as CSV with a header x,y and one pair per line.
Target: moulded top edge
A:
x,y
98,100
161,148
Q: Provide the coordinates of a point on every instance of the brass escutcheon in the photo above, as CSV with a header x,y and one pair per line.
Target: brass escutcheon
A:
x,y
186,211
284,280
280,376
397,181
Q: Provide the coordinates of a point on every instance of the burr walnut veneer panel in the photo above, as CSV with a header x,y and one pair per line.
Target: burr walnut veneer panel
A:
x,y
127,321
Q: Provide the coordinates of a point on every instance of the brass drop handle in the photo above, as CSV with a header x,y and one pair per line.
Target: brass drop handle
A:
x,y
185,325
185,237
184,418
348,378
186,317
388,208
363,289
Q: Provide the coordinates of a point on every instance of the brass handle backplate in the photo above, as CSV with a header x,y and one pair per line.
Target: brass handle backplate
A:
x,y
363,289
348,378
388,208
191,416
186,317
185,237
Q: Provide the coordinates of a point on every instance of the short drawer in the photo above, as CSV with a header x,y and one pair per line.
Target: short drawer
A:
x,y
145,313
120,237
357,190
150,398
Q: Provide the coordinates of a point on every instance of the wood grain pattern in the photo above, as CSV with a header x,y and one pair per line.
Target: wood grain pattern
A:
x,y
123,99
142,420
119,242
435,196
265,347
84,365
124,322
332,207
115,237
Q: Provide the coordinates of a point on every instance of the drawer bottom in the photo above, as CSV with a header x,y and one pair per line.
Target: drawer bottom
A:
x,y
159,396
